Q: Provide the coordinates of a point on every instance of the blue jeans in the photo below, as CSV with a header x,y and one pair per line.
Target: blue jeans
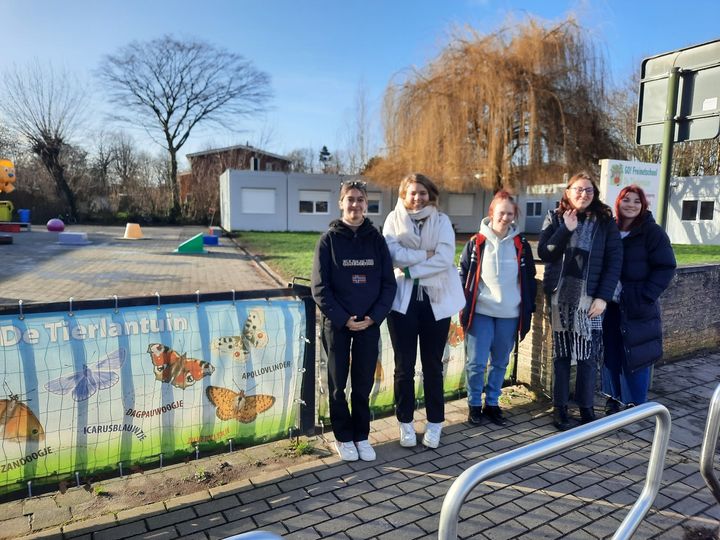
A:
x,y
626,387
493,338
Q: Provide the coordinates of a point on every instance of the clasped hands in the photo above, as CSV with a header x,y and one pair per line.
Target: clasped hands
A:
x,y
357,325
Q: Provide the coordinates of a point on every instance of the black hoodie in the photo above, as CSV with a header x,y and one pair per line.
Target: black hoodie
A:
x,y
353,274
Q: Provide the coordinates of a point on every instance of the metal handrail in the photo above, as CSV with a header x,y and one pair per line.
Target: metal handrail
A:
x,y
710,439
255,535
533,452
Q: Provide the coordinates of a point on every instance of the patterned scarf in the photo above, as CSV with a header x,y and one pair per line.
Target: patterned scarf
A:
x,y
575,335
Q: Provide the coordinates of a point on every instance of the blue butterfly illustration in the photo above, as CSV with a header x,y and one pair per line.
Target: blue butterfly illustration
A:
x,y
84,384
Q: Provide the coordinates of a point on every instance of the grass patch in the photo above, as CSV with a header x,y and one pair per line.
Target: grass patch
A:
x,y
691,254
290,254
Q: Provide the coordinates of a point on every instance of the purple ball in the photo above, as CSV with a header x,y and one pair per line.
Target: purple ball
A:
x,y
55,225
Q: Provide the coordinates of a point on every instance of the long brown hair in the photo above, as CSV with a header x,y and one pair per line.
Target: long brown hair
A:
x,y
632,188
596,206
432,189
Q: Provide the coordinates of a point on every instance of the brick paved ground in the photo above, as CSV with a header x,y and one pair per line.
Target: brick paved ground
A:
x,y
37,269
582,493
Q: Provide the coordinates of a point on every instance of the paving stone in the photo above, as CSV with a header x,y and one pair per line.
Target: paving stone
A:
x,y
162,534
200,523
258,493
50,517
306,520
246,510
276,515
336,525
188,500
169,518
121,531
217,505
78,528
369,530
15,527
231,528
319,501
406,532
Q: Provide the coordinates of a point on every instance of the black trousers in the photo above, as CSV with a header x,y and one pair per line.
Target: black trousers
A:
x,y
585,375
405,330
350,423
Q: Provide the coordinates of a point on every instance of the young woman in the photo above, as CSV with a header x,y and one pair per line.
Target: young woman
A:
x,y
422,245
580,245
498,271
632,329
354,286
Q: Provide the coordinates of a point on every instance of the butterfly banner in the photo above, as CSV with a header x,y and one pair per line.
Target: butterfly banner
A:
x,y
381,395
88,390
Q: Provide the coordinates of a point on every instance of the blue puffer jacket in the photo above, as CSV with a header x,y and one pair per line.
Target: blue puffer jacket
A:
x,y
648,267
605,255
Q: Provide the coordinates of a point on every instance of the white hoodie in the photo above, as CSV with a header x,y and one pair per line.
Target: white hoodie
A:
x,y
499,290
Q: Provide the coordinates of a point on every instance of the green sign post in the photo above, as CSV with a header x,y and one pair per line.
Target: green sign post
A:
x,y
679,101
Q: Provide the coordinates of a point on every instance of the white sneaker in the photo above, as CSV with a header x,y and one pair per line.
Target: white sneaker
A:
x,y
346,450
431,439
408,438
365,451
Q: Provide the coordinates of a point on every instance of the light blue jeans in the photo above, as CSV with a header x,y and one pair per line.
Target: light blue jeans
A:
x,y
488,338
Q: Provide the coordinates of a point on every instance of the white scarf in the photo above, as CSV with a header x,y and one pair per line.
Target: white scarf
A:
x,y
426,239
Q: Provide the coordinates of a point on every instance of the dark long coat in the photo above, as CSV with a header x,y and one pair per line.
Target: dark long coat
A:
x,y
647,269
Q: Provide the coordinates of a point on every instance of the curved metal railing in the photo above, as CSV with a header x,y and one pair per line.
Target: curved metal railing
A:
x,y
536,451
710,439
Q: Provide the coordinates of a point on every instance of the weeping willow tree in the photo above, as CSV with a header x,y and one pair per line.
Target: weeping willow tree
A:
x,y
520,106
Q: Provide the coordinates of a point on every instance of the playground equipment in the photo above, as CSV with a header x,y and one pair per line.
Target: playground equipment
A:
x,y
192,245
7,176
6,210
133,232
55,225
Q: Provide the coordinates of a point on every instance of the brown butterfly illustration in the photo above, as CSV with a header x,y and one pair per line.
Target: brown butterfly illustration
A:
x,y
17,421
456,335
236,405
177,369
253,335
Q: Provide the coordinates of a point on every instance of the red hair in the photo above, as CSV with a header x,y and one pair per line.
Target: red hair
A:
x,y
500,196
632,188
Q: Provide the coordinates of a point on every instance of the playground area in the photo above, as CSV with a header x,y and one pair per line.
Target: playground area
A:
x,y
37,268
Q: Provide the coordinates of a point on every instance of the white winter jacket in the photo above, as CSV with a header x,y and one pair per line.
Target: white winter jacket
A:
x,y
419,266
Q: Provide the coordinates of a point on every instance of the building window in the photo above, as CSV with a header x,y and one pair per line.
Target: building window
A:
x,y
257,201
374,203
693,210
533,209
460,204
269,166
707,210
314,202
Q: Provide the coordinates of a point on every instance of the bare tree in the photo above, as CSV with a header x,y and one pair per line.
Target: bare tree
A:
x,y
302,160
358,132
45,107
522,105
168,86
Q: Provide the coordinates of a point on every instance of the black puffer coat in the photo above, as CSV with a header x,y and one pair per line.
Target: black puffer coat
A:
x,y
605,255
648,267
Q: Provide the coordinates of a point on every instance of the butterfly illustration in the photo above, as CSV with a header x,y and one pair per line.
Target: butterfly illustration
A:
x,y
253,335
84,384
17,421
177,369
237,405
456,335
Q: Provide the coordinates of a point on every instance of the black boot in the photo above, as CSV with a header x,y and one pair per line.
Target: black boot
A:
x,y
612,406
494,414
587,415
475,415
560,418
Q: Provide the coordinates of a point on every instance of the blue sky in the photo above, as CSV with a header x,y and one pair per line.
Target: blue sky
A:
x,y
319,52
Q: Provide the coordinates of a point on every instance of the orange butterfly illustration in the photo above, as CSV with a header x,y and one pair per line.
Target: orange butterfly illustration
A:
x,y
455,335
237,405
177,369
17,421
